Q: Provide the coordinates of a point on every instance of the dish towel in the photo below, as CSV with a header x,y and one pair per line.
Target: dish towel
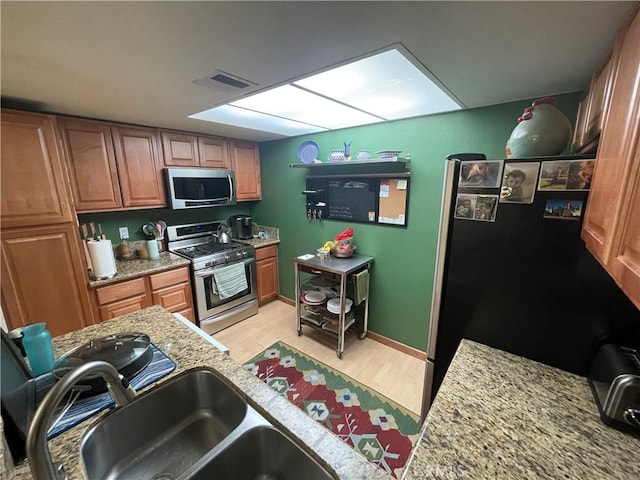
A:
x,y
160,366
230,280
361,286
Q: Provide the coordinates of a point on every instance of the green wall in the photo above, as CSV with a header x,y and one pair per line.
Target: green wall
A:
x,y
135,219
402,275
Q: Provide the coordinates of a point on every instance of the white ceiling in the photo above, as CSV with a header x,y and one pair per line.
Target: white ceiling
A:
x,y
135,62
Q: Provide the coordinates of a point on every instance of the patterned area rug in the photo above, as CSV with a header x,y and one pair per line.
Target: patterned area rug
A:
x,y
380,429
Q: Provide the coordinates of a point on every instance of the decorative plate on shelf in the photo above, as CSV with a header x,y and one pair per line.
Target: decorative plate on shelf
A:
x,y
388,153
308,151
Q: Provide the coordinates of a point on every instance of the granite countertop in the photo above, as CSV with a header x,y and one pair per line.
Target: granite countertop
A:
x,y
189,350
128,269
498,415
259,242
271,236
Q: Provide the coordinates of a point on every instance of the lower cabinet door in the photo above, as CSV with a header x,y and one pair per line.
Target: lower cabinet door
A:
x,y
267,272
175,298
44,278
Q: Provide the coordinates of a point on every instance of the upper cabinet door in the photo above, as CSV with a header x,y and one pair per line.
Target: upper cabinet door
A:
x,y
33,188
180,149
91,163
139,166
245,161
611,228
214,152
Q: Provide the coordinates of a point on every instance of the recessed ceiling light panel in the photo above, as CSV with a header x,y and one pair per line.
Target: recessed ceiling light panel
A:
x,y
291,102
241,117
385,86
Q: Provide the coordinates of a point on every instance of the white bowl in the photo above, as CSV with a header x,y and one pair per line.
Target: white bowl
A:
x,y
333,305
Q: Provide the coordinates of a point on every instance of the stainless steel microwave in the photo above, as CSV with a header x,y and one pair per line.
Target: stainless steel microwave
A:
x,y
200,187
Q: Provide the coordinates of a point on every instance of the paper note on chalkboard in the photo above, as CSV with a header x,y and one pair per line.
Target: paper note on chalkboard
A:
x,y
393,201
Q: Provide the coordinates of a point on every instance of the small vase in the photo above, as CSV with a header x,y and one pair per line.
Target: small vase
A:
x,y
347,150
542,131
37,344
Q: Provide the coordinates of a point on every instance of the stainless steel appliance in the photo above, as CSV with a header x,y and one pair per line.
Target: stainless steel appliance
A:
x,y
241,226
223,274
615,382
200,187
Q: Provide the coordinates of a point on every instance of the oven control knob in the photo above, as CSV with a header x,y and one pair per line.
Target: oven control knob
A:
x,y
238,254
226,257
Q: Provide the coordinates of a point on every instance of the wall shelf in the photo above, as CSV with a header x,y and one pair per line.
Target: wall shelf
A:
x,y
403,162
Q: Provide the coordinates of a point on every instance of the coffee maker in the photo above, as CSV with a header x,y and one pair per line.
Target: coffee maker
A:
x,y
241,226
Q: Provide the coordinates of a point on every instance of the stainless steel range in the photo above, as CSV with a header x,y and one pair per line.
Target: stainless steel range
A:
x,y
223,274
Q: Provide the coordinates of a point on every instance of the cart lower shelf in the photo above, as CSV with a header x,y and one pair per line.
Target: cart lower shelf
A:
x,y
353,327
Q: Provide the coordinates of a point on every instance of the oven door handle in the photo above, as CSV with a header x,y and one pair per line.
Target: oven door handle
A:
x,y
207,272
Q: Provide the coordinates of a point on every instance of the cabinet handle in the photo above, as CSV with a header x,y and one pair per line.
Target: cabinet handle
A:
x,y
316,271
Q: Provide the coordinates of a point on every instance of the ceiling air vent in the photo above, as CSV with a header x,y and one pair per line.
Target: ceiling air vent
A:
x,y
224,81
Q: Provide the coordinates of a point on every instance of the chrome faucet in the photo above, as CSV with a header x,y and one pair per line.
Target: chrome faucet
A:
x,y
42,467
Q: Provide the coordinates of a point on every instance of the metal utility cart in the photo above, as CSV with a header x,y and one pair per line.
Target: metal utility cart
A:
x,y
339,269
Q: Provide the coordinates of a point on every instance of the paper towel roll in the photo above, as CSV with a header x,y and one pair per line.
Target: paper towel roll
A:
x,y
104,263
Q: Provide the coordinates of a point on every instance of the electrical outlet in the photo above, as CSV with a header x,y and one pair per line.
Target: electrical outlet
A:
x,y
124,233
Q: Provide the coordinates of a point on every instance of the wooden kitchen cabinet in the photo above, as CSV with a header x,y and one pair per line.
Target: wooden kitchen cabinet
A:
x,y
34,186
611,228
267,273
170,289
124,297
180,149
44,279
139,166
187,150
594,106
112,166
245,162
214,152
91,162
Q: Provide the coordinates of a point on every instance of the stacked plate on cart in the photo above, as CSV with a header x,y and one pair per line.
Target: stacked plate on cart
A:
x,y
314,298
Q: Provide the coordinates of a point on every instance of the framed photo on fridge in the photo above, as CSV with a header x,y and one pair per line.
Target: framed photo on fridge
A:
x,y
569,175
519,182
480,173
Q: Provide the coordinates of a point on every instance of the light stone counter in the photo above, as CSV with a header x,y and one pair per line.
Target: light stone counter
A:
x,y
128,269
501,416
189,350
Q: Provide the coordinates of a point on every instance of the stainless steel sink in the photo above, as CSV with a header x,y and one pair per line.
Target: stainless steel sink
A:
x,y
261,453
164,432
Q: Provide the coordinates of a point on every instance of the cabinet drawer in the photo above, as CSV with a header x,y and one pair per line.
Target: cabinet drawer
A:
x,y
317,271
266,252
172,277
112,293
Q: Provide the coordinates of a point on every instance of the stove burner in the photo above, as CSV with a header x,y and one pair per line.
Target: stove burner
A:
x,y
204,249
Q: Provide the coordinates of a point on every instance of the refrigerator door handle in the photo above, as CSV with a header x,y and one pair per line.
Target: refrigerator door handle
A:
x,y
441,252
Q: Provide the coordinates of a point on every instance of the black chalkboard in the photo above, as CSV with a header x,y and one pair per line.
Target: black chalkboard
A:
x,y
354,199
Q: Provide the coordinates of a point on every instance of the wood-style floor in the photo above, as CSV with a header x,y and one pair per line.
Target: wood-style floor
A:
x,y
394,374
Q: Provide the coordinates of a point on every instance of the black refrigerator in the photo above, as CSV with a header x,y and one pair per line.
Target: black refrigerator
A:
x,y
518,277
